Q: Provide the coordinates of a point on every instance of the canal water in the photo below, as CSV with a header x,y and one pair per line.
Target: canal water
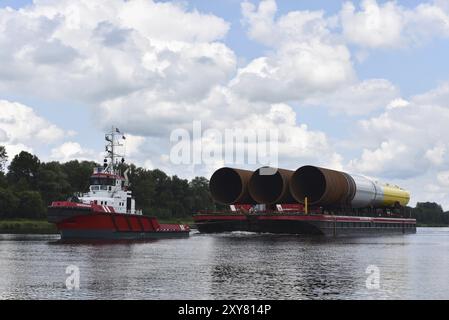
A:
x,y
229,266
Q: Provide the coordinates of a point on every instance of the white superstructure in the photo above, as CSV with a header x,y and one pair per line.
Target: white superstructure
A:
x,y
108,187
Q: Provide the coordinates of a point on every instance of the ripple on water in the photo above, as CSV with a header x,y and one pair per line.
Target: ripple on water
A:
x,y
234,265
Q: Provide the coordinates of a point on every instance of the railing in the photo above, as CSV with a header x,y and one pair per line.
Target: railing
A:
x,y
137,211
240,212
367,212
81,194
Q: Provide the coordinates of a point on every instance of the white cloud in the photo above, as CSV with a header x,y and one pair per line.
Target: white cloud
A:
x,y
22,129
89,51
397,103
436,97
227,111
373,25
443,178
3,135
412,139
383,160
298,26
294,72
421,121
360,98
408,144
147,74
132,144
70,150
436,154
73,151
309,63
14,149
297,143
390,25
307,58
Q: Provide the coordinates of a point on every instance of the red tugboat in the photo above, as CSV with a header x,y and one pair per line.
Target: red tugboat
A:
x,y
107,211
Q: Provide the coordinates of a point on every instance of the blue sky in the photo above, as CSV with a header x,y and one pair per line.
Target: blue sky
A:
x,y
361,87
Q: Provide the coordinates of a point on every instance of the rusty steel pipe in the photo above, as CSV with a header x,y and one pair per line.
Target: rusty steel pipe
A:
x,y
327,187
321,186
230,186
270,186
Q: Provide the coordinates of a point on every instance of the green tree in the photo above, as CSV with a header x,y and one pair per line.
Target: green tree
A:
x,y
52,182
23,170
78,174
3,158
161,203
143,186
429,213
3,182
8,203
181,201
30,205
202,199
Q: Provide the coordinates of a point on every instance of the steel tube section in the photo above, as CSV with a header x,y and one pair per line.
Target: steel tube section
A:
x,y
271,186
327,187
368,193
230,186
321,186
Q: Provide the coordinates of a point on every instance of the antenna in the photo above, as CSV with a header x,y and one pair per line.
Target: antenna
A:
x,y
111,143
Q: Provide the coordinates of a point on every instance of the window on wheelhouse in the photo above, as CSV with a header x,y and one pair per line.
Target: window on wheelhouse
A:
x,y
101,181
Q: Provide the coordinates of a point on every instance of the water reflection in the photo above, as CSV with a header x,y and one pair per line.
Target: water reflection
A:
x,y
228,266
277,267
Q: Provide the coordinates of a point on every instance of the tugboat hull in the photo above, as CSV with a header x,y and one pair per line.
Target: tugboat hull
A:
x,y
117,235
90,222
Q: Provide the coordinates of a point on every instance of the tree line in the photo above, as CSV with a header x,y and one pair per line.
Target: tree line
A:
x,y
28,186
430,213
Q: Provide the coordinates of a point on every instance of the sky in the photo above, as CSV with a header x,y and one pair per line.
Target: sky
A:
x,y
360,86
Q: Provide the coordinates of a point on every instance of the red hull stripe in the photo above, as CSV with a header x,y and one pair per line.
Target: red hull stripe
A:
x,y
154,224
139,220
113,223
128,224
146,224
103,221
122,223
134,223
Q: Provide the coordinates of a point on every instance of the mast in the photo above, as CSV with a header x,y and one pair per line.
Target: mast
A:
x,y
111,144
112,147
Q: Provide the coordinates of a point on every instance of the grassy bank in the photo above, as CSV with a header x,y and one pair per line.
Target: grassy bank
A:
x,y
21,226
